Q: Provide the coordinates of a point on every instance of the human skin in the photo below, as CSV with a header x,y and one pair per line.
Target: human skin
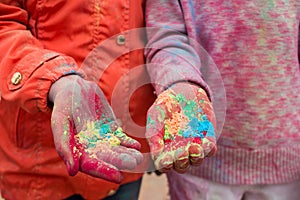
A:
x,y
180,128
86,133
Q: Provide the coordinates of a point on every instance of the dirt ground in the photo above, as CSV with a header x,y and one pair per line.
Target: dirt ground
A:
x,y
154,187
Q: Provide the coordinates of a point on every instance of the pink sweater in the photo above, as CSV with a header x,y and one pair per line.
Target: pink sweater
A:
x,y
254,44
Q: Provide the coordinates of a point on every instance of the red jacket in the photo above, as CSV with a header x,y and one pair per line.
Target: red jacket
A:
x,y
40,41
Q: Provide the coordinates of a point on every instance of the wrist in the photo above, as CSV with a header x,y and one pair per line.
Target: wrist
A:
x,y
60,84
187,84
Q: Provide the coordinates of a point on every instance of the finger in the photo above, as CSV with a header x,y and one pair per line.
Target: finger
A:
x,y
196,154
138,156
100,169
127,141
122,161
155,130
130,143
209,146
123,138
155,121
164,162
63,133
181,159
156,145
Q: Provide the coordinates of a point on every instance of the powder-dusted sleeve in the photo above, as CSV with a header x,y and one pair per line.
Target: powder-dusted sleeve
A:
x,y
170,57
27,70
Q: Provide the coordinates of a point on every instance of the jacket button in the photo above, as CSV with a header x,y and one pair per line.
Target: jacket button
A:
x,y
111,192
121,40
16,78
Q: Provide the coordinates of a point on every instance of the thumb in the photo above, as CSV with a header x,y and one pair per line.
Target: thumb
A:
x,y
155,133
156,146
63,133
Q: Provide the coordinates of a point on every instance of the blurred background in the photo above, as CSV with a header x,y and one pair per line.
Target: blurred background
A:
x,y
154,187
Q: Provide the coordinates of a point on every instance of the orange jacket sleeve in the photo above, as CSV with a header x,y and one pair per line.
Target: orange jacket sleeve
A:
x,y
27,70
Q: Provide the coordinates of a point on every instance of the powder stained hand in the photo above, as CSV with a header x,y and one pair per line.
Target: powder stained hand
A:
x,y
180,128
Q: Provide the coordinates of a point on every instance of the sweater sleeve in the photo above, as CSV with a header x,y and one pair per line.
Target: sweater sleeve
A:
x,y
299,44
169,55
27,69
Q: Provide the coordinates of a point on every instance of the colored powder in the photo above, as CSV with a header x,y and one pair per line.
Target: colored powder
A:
x,y
162,116
150,123
188,122
99,134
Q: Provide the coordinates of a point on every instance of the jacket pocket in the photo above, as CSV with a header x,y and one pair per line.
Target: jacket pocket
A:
x,y
33,130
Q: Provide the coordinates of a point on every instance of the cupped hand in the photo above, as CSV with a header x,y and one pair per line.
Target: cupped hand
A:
x,y
86,133
180,128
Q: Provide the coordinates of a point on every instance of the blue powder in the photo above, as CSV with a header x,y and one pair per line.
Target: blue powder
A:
x,y
104,129
196,128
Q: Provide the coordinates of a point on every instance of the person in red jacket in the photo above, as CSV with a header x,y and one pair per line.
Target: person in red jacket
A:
x,y
47,97
72,83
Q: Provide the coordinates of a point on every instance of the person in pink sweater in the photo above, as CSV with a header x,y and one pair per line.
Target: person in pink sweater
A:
x,y
255,46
